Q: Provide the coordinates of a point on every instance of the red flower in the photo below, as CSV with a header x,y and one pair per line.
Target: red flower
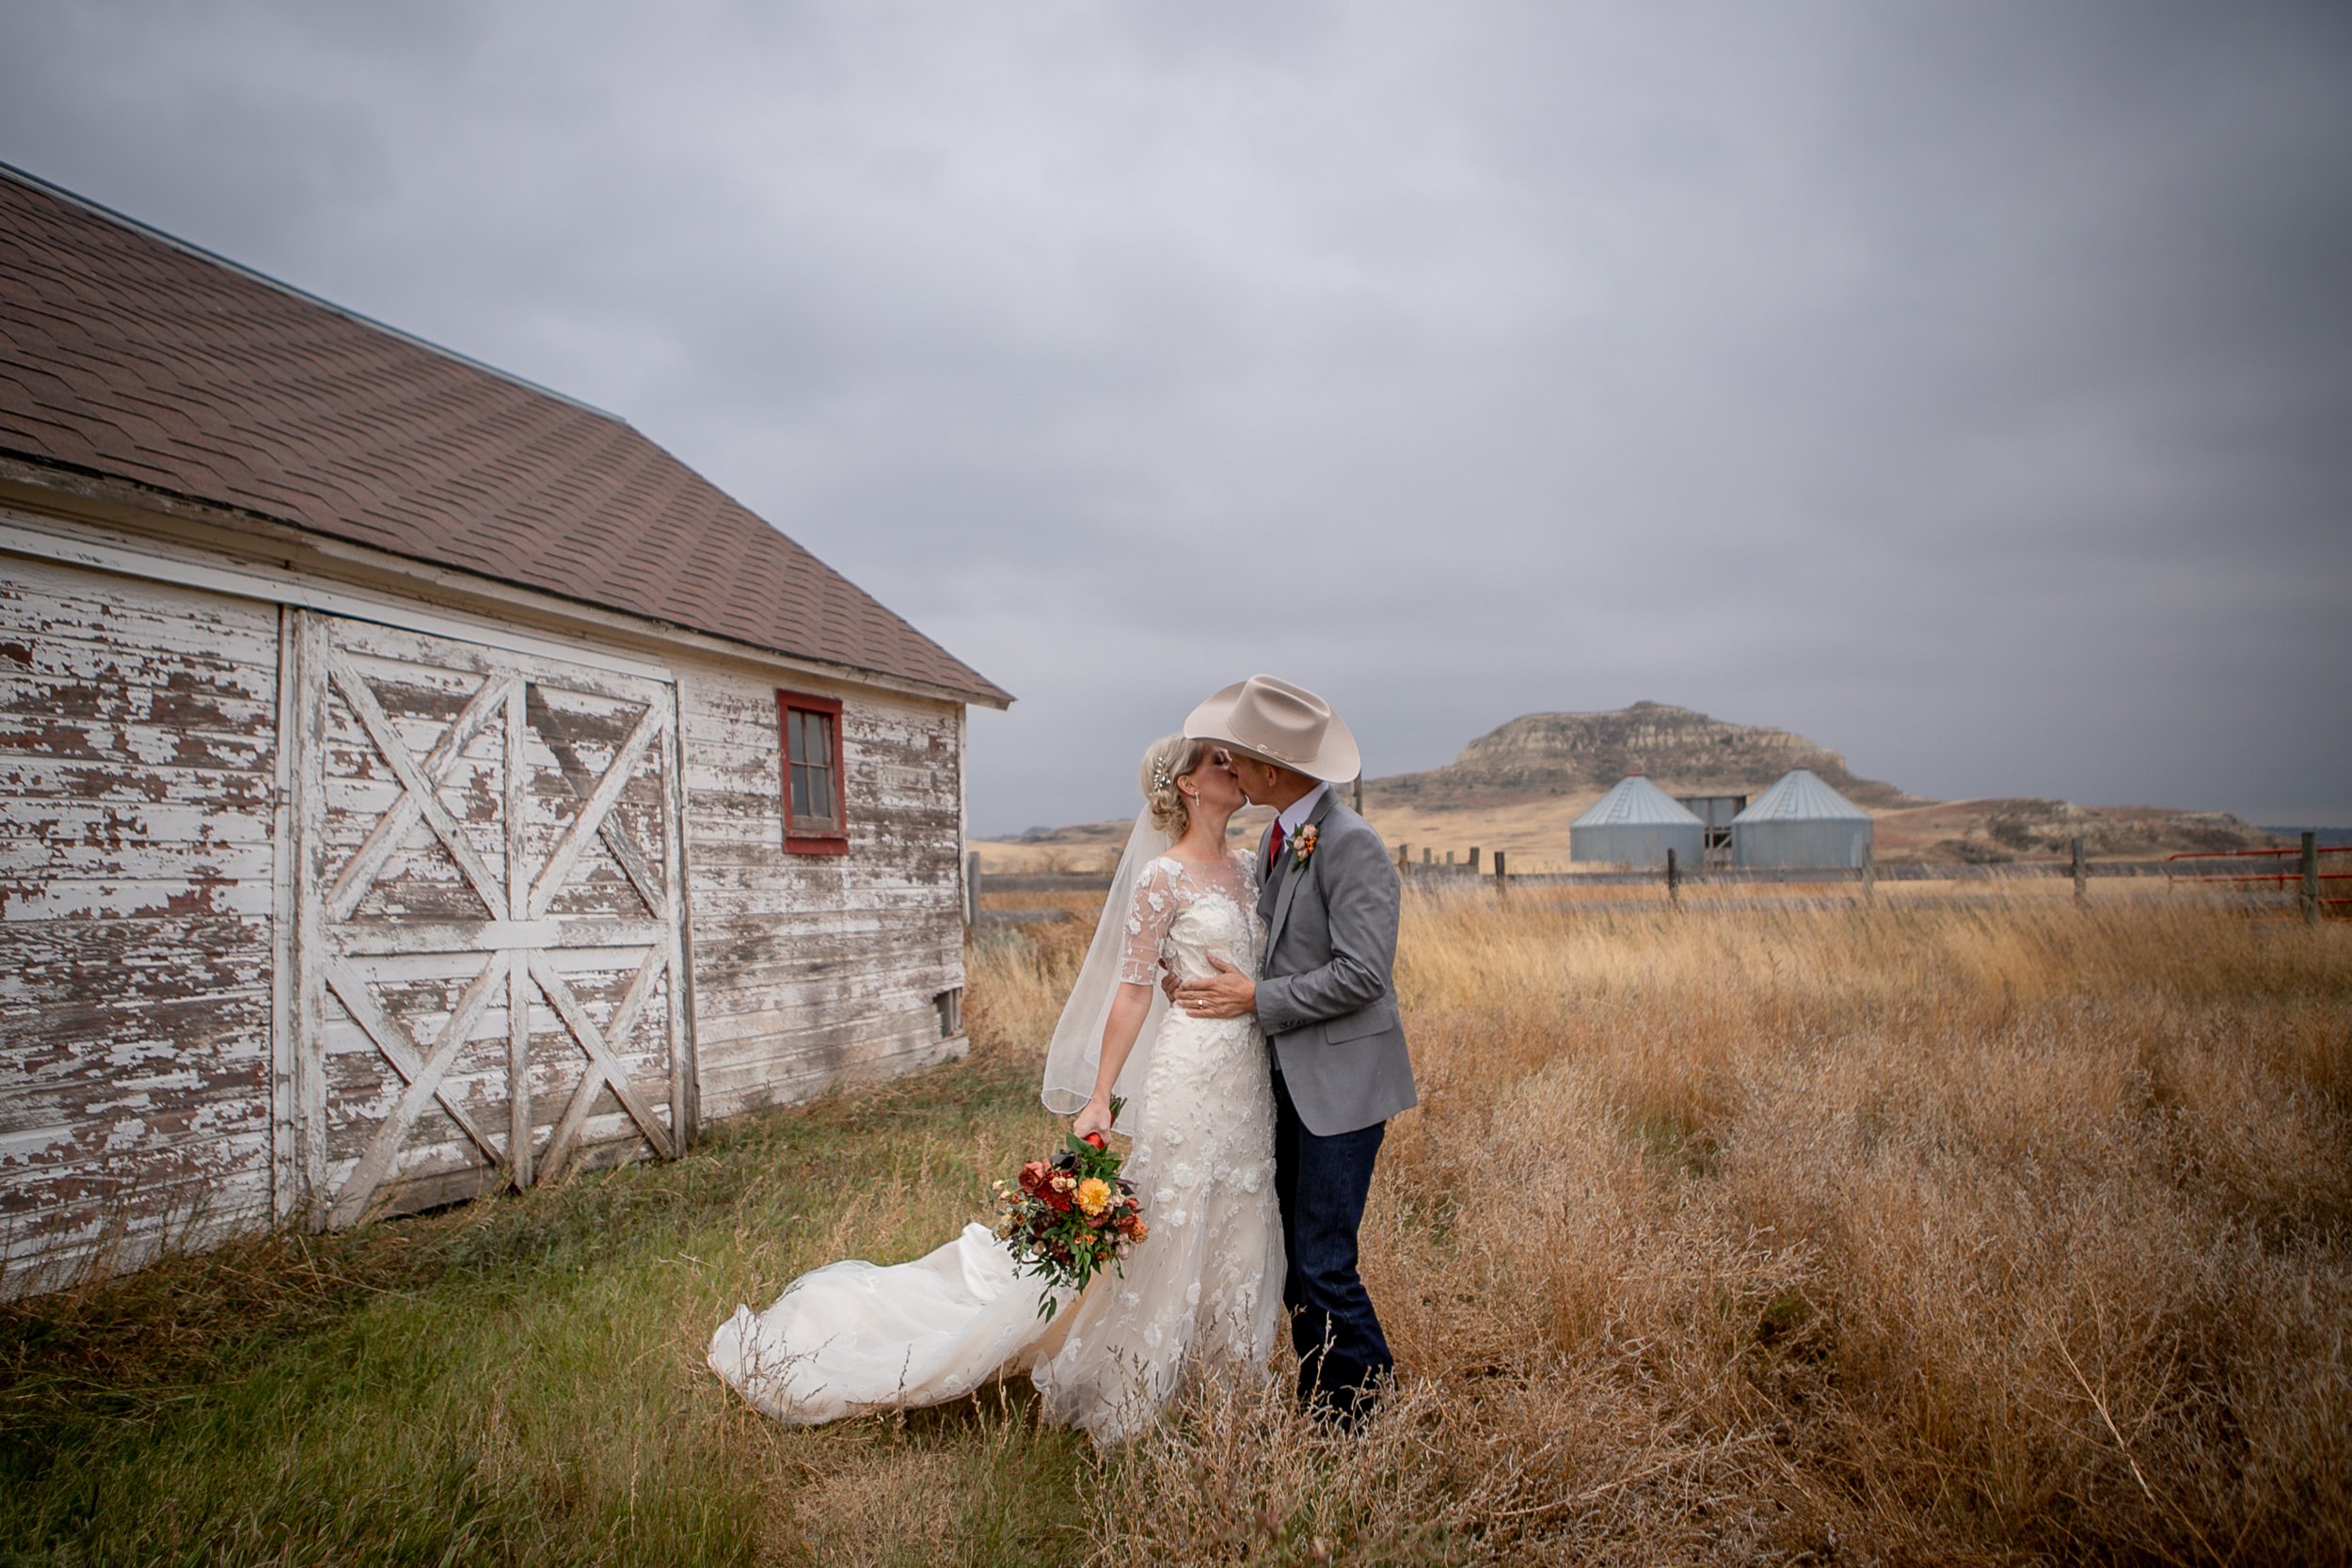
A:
x,y
1070,1216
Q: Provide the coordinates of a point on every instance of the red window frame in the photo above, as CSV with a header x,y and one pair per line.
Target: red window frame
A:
x,y
812,835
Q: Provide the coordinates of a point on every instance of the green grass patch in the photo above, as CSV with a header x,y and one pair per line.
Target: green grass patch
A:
x,y
520,1379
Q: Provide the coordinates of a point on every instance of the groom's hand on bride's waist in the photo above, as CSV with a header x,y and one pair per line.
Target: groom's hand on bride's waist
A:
x,y
1227,993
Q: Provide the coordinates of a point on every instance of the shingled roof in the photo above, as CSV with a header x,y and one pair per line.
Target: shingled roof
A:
x,y
128,354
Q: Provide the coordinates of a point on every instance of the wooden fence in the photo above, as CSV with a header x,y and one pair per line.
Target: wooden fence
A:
x,y
2219,873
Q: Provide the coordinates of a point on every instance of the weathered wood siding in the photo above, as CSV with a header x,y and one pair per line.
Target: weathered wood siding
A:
x,y
488,917
188,779
138,752
815,969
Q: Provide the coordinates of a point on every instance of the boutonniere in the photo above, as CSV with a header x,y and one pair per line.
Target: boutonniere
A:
x,y
1302,846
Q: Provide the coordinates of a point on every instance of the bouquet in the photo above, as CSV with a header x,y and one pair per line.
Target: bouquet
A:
x,y
1067,1216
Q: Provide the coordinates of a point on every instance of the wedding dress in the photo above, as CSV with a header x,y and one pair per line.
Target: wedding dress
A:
x,y
1204,1288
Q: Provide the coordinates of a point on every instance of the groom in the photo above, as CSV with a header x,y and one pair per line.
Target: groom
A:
x,y
1325,1001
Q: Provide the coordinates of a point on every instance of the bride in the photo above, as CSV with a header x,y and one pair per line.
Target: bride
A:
x,y
1203,1288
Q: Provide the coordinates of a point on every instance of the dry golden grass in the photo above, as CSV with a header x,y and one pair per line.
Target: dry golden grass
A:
x,y
1987,1233
1004,858
1533,832
1089,849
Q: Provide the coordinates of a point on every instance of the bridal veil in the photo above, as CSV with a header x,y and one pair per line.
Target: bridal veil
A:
x,y
1076,1052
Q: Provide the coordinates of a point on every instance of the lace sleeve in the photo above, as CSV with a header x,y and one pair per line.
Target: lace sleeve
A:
x,y
1148,920
1246,860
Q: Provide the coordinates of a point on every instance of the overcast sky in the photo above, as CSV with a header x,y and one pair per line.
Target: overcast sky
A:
x,y
1967,387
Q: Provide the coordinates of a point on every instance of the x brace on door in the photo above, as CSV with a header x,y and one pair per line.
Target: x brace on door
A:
x,y
518,931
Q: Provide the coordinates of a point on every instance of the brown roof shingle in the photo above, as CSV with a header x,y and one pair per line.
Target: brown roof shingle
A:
x,y
128,354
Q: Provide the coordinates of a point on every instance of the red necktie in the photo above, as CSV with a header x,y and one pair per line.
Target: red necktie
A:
x,y
1273,850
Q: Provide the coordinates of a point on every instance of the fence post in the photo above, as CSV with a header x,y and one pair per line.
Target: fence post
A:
x,y
972,888
1673,880
1357,806
1404,860
1501,881
1474,861
2082,874
1425,856
1869,877
2310,878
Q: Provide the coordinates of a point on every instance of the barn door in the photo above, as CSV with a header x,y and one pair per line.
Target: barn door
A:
x,y
488,945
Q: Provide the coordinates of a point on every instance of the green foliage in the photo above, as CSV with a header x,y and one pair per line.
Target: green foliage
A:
x,y
521,1380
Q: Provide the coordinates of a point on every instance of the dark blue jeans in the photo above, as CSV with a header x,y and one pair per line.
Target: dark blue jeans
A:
x,y
1322,1183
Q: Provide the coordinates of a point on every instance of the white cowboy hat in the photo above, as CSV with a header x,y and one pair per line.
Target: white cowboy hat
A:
x,y
1281,724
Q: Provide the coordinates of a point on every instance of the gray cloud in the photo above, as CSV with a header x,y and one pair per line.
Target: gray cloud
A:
x,y
1962,385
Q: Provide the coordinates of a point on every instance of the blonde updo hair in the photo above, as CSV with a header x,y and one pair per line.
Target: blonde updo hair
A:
x,y
1165,761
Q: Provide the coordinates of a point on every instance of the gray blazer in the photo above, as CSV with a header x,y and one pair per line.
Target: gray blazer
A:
x,y
1325,997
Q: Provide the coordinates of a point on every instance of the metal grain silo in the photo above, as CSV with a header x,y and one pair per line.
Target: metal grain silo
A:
x,y
1635,824
1800,821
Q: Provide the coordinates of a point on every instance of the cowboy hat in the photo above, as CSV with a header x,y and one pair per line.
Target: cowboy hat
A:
x,y
1281,724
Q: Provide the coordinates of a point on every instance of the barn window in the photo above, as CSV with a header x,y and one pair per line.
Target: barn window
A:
x,y
813,820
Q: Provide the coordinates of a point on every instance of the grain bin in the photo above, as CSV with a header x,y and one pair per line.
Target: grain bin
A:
x,y
1800,821
1635,824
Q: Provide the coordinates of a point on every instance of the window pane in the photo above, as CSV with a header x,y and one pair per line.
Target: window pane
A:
x,y
820,792
813,795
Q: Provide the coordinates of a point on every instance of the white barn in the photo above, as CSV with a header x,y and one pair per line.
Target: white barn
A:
x,y
412,782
